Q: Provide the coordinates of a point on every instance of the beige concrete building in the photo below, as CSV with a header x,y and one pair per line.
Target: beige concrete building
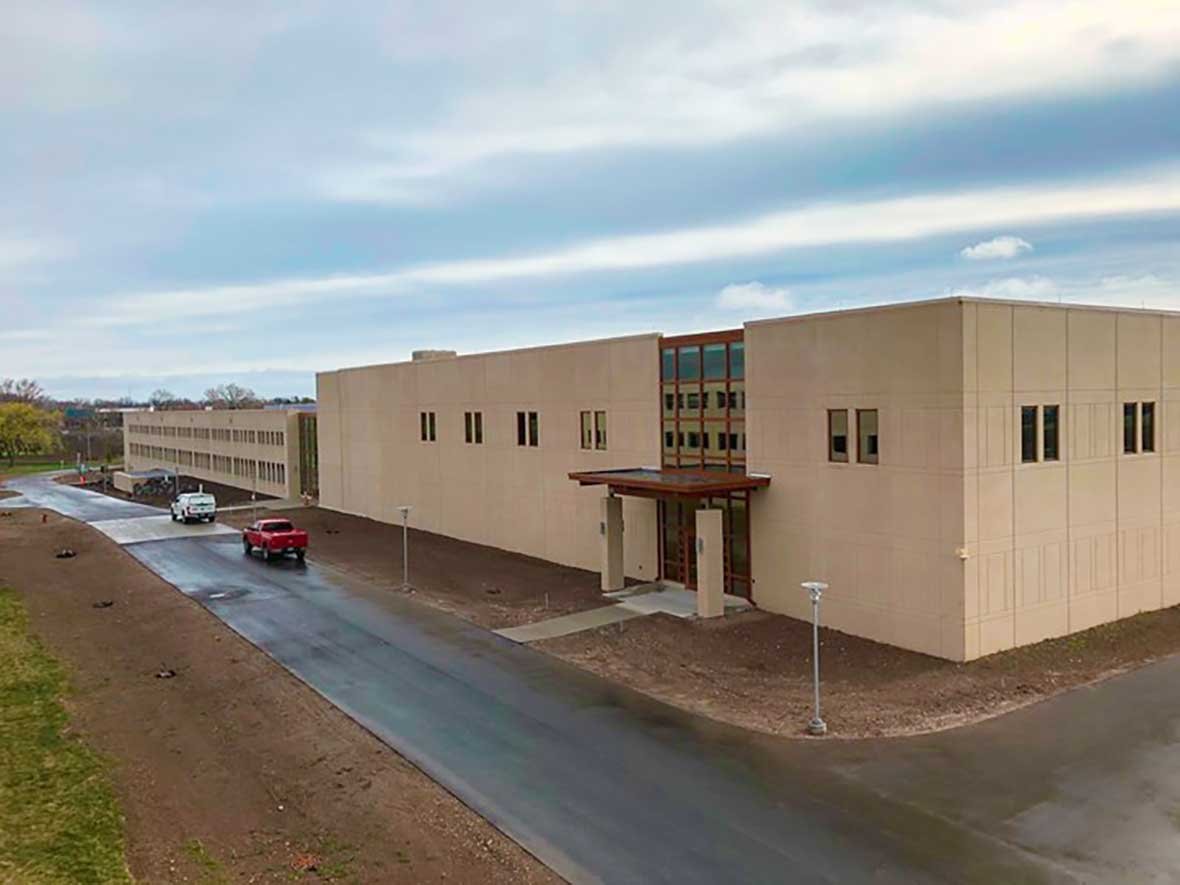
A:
x,y
968,476
256,449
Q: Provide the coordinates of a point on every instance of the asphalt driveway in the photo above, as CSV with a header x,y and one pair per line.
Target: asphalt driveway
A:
x,y
604,784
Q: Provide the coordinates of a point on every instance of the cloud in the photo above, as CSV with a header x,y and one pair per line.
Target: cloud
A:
x,y
822,224
998,247
754,298
746,70
1034,288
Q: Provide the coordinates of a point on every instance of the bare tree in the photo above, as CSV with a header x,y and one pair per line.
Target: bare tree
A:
x,y
162,398
22,390
231,396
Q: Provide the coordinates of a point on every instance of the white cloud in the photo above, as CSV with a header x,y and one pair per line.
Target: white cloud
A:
x,y
754,298
1034,288
741,70
16,251
998,247
823,224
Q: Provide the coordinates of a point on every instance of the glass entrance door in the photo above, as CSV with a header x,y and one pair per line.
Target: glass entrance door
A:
x,y
678,521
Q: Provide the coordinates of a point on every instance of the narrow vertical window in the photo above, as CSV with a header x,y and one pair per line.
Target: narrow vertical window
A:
x,y
600,430
430,416
1130,428
534,429
837,435
521,431
468,427
587,430
422,422
867,445
1051,431
1147,426
479,428
1028,434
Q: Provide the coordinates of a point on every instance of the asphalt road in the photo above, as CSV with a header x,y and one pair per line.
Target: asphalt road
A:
x,y
604,784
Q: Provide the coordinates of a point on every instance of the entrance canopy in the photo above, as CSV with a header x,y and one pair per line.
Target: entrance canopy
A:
x,y
650,482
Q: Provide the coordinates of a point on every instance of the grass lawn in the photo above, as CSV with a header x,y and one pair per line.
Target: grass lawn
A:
x,y
59,821
22,468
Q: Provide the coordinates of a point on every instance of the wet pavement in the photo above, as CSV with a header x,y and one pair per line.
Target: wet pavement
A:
x,y
605,784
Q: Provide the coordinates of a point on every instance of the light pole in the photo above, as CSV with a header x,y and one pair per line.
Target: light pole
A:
x,y
404,510
816,588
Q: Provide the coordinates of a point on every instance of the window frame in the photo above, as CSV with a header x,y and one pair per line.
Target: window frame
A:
x,y
1131,433
833,455
1147,427
863,457
600,430
1028,448
585,430
1056,409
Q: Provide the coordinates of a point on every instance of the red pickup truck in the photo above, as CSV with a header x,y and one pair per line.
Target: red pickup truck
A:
x,y
275,538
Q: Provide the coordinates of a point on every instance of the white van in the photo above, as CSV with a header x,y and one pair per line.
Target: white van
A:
x,y
200,506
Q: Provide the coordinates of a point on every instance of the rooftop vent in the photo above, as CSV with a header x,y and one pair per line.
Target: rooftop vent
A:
x,y
420,355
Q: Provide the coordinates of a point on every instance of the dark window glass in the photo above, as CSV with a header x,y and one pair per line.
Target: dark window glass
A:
x,y
587,430
721,440
668,364
1051,431
534,429
690,363
737,360
1028,434
694,402
721,399
1130,428
680,400
600,430
1147,420
479,427
468,427
422,420
669,440
669,402
837,434
714,361
521,432
868,447
430,417
694,439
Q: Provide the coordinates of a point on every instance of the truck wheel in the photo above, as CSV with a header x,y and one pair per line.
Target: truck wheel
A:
x,y
269,555
211,518
246,548
299,554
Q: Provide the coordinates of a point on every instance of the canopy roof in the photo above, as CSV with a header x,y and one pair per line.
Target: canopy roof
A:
x,y
674,481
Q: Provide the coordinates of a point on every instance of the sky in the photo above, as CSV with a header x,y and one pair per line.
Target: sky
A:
x,y
201,193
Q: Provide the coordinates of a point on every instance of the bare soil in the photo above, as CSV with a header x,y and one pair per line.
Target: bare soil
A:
x,y
492,587
754,669
232,770
227,496
751,669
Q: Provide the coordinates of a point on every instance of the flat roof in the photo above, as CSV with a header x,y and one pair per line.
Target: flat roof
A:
x,y
676,481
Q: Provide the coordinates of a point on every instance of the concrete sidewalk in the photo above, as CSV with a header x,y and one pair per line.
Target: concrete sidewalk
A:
x,y
566,624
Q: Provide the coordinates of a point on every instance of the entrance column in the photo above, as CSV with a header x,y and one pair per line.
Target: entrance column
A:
x,y
710,554
611,530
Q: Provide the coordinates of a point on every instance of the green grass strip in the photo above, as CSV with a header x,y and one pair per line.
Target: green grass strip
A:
x,y
59,820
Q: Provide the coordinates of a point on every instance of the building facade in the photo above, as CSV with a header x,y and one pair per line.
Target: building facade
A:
x,y
968,476
256,449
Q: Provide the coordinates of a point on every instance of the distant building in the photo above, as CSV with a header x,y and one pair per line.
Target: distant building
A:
x,y
256,449
967,475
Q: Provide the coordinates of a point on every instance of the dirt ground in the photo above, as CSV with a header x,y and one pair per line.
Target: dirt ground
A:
x,y
493,588
752,669
232,770
227,496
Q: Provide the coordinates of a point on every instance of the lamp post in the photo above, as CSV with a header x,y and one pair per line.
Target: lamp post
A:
x,y
404,510
816,588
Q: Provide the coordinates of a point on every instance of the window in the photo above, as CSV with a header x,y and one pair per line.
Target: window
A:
x,y
473,427
528,429
600,430
690,364
1147,426
838,435
1051,431
427,429
587,430
1130,428
867,448
1028,434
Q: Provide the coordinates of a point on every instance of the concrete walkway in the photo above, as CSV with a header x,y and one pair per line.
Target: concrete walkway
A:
x,y
135,530
566,624
633,602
